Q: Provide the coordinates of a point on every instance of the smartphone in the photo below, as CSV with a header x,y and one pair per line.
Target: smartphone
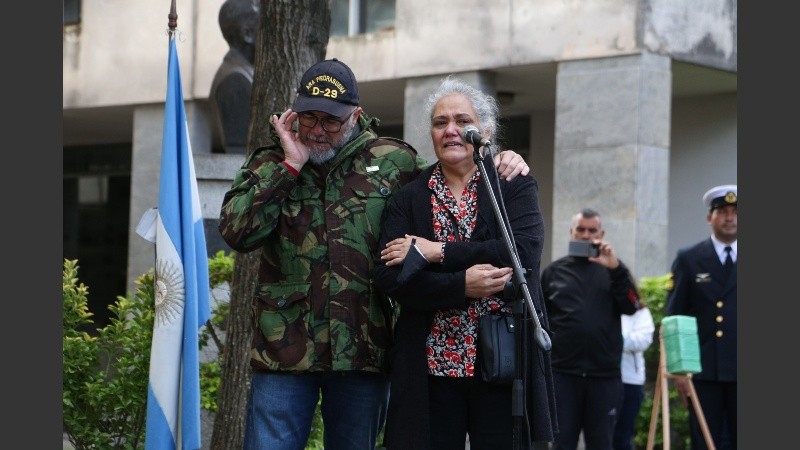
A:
x,y
584,248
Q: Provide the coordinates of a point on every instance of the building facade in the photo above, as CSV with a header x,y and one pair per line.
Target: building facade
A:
x,y
625,106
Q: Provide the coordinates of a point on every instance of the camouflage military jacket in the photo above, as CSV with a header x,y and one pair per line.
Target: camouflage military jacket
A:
x,y
315,308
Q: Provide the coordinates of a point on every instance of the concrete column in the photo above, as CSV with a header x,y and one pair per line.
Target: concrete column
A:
x,y
612,138
540,158
416,120
148,126
214,174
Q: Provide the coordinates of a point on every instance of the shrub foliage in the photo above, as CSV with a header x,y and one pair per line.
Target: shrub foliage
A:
x,y
106,370
105,373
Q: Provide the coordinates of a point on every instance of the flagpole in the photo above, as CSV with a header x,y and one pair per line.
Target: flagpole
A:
x,y
182,290
173,19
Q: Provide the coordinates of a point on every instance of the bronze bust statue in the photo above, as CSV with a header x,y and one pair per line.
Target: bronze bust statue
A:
x,y
233,82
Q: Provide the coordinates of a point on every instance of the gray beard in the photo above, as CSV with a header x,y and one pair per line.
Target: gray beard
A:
x,y
321,158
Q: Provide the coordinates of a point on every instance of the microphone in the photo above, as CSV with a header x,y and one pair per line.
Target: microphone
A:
x,y
471,135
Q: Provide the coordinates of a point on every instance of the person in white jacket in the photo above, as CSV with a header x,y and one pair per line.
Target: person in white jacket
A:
x,y
637,336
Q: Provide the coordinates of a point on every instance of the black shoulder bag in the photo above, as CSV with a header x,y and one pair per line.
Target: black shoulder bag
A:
x,y
496,348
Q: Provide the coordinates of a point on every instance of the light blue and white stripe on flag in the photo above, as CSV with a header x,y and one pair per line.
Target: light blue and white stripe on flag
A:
x,y
181,285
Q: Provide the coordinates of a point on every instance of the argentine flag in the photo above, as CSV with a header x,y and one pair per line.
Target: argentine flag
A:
x,y
181,285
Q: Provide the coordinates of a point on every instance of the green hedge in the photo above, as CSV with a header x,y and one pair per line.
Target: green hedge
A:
x,y
106,370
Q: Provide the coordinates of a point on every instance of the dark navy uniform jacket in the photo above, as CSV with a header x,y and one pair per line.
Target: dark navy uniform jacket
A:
x,y
701,289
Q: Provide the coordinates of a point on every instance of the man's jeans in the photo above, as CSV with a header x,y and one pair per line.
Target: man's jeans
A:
x,y
281,406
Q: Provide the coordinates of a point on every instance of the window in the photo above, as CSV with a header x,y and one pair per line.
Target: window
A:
x,y
72,12
351,17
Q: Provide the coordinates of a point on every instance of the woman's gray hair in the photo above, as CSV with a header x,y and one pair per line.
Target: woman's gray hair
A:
x,y
486,107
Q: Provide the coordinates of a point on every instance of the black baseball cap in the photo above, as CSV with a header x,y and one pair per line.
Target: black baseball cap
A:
x,y
328,86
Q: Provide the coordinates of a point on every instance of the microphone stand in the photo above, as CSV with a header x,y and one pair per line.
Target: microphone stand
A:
x,y
516,287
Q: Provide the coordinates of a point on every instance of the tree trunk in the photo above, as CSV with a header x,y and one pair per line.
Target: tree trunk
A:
x,y
235,371
293,35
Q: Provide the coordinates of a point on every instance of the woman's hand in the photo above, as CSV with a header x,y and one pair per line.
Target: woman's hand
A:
x,y
485,279
397,249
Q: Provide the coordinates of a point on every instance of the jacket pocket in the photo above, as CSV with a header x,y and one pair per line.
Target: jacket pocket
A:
x,y
282,319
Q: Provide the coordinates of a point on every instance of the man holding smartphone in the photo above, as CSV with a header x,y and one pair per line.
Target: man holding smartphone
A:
x,y
584,296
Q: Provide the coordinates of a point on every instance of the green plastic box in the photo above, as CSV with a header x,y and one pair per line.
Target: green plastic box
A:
x,y
681,344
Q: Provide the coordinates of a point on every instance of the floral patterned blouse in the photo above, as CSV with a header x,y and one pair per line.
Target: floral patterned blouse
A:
x,y
452,342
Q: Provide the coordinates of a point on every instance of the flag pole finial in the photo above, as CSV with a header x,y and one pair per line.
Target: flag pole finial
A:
x,y
173,18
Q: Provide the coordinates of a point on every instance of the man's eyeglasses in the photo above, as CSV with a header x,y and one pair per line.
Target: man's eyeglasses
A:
x,y
329,124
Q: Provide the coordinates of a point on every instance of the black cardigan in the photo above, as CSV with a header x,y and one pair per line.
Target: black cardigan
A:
x,y
441,287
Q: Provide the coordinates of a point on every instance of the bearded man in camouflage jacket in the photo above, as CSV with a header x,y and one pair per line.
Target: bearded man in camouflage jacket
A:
x,y
319,326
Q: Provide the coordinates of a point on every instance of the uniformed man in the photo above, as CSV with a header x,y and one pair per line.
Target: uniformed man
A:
x,y
704,286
